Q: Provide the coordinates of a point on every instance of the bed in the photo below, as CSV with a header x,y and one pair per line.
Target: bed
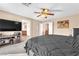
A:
x,y
53,45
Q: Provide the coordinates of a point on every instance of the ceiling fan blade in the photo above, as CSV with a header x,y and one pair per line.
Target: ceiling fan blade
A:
x,y
37,12
57,10
38,15
50,14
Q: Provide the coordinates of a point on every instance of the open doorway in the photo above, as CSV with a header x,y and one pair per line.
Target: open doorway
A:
x,y
46,28
26,32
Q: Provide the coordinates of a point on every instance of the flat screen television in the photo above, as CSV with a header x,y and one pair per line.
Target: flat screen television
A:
x,y
7,25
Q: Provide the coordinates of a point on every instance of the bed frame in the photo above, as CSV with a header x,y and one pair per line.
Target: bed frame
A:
x,y
75,32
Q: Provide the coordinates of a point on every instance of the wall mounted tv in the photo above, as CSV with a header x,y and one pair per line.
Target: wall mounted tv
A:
x,y
7,25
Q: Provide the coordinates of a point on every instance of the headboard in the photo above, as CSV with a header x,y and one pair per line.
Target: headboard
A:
x,y
75,32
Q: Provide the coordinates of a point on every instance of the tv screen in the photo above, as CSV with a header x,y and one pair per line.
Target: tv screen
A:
x,y
7,25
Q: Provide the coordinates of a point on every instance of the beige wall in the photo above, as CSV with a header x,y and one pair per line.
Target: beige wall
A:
x,y
10,16
73,23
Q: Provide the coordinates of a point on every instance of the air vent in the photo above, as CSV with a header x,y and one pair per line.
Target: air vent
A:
x,y
26,4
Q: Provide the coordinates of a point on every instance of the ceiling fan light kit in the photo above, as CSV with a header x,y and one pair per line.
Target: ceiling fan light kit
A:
x,y
45,12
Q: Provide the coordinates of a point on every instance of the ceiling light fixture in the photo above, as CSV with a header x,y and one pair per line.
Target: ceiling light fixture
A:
x,y
44,12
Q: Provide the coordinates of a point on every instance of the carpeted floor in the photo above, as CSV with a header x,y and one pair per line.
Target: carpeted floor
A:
x,y
15,49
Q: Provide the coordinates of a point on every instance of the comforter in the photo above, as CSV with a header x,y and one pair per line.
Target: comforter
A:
x,y
52,45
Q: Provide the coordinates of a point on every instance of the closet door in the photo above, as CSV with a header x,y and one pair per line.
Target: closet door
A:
x,y
45,29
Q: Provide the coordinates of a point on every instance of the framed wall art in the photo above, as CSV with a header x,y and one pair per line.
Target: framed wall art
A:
x,y
63,24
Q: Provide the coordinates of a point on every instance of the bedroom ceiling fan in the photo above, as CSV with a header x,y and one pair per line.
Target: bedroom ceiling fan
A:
x,y
46,12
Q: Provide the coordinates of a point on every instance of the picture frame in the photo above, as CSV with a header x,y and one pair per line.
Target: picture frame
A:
x,y
63,24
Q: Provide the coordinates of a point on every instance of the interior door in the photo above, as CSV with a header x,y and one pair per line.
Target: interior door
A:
x,y
45,29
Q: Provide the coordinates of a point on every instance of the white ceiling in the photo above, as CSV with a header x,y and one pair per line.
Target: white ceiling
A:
x,y
20,9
